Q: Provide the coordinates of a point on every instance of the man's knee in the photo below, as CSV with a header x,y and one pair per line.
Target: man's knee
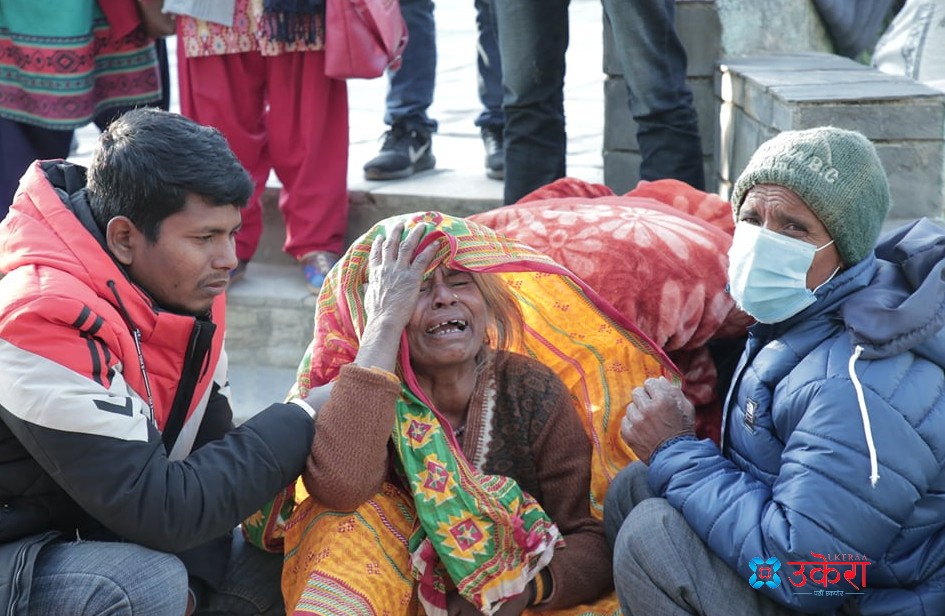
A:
x,y
644,533
630,482
618,501
155,584
626,490
112,578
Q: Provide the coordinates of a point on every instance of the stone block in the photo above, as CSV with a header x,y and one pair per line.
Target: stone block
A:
x,y
757,103
761,96
822,89
705,106
699,28
759,26
270,316
724,142
908,119
748,135
740,136
610,63
767,62
912,166
621,133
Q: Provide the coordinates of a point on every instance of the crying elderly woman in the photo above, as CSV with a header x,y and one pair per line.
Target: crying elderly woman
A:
x,y
469,373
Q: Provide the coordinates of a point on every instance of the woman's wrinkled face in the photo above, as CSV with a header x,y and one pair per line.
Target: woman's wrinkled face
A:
x,y
448,325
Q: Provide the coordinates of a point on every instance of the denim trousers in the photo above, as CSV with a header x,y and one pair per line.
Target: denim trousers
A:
x,y
661,567
410,88
93,578
489,64
653,62
533,39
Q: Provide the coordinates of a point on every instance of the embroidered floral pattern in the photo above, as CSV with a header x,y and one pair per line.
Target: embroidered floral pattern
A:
x,y
248,33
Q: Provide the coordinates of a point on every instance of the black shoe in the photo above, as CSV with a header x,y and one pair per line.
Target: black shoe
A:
x,y
493,139
405,152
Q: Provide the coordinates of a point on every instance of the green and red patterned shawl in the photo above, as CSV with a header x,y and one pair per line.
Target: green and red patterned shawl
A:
x,y
61,63
483,532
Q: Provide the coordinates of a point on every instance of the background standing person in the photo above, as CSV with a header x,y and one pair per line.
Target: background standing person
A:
x,y
121,477
914,43
854,28
61,64
408,145
533,39
259,78
834,431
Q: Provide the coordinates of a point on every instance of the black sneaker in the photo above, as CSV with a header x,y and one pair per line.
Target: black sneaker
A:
x,y
405,152
493,140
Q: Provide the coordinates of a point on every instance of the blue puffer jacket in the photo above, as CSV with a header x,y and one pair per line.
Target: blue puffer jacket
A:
x,y
849,389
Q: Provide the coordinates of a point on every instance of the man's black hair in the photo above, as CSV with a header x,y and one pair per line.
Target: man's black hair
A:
x,y
147,162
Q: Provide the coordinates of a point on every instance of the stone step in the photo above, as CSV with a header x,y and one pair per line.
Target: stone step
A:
x,y
460,192
270,316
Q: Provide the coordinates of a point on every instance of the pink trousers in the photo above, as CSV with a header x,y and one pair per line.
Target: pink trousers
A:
x,y
279,113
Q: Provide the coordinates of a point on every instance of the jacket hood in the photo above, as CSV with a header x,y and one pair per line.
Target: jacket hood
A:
x,y
50,225
903,307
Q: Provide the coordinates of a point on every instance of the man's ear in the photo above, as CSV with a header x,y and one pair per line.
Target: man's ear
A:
x,y
122,237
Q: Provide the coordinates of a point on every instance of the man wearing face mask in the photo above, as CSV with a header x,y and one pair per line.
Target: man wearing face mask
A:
x,y
826,495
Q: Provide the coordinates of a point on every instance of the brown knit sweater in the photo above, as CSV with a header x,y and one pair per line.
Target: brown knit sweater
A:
x,y
528,430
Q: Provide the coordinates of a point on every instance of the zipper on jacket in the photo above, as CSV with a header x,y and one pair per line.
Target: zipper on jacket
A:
x,y
198,353
136,336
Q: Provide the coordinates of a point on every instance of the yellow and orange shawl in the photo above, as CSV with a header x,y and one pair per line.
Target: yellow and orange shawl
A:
x,y
457,528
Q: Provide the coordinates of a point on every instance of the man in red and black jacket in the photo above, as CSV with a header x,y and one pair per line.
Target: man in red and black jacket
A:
x,y
117,452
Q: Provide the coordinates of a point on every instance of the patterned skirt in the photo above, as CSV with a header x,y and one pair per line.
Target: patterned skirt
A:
x,y
358,563
61,63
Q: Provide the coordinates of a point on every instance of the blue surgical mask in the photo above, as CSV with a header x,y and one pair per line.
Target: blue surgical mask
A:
x,y
767,273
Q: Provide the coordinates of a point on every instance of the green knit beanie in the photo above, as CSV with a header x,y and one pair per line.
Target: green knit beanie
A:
x,y
836,172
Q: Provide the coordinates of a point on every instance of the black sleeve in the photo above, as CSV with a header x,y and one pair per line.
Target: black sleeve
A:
x,y
207,562
134,490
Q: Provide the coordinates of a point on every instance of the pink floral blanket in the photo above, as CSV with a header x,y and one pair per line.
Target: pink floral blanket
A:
x,y
658,254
